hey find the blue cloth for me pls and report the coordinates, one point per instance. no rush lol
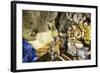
(29, 53)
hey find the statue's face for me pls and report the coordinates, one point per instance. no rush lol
(30, 22)
(36, 20)
(29, 35)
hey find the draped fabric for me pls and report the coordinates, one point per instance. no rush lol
(29, 53)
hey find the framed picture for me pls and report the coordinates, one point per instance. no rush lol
(47, 36)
